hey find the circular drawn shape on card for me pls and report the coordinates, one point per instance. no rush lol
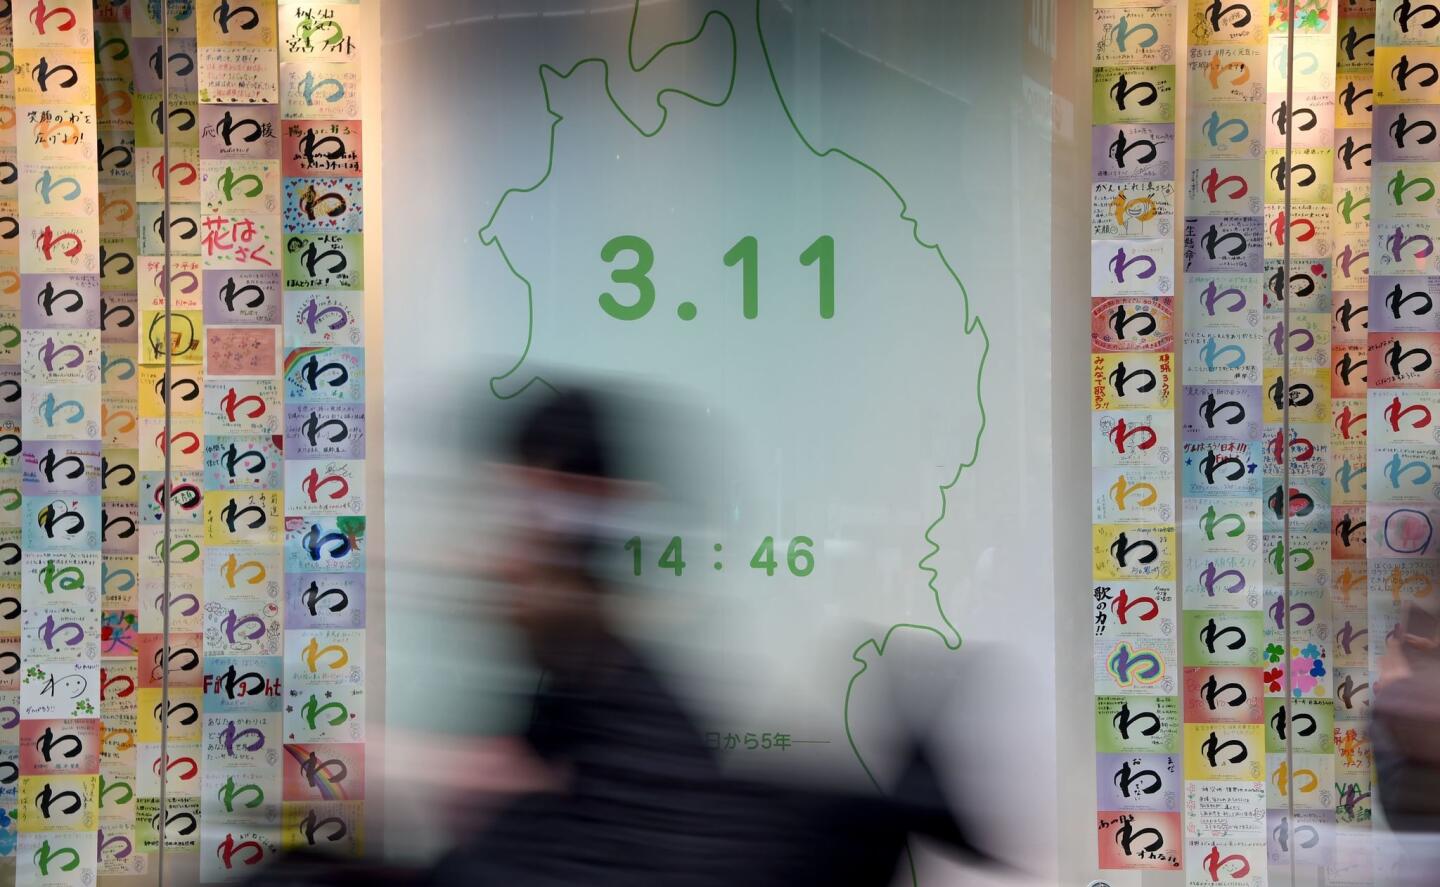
(687, 311)
(1410, 534)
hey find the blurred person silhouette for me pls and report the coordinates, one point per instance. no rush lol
(633, 774)
(638, 797)
(630, 793)
(1406, 742)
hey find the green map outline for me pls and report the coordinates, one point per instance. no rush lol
(973, 323)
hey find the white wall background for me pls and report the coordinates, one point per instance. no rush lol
(951, 100)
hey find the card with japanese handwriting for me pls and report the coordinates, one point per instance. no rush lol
(324, 90)
(232, 74)
(325, 544)
(240, 131)
(324, 600)
(327, 31)
(1139, 840)
(242, 351)
(324, 487)
(234, 297)
(1137, 666)
(324, 712)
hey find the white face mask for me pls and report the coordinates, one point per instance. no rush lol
(547, 514)
(567, 526)
(570, 514)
